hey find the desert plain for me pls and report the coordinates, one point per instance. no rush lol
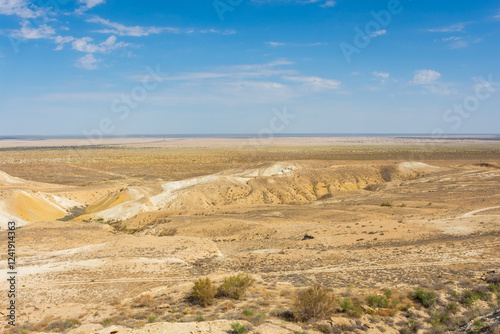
(394, 234)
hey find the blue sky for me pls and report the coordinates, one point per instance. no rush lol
(92, 67)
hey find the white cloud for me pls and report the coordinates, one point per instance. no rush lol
(452, 38)
(61, 40)
(378, 33)
(329, 4)
(238, 72)
(122, 30)
(216, 31)
(85, 45)
(428, 79)
(425, 77)
(88, 62)
(382, 75)
(19, 8)
(139, 31)
(315, 83)
(276, 44)
(458, 27)
(28, 31)
(87, 4)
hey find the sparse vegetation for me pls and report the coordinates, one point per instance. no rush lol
(377, 301)
(426, 298)
(238, 328)
(203, 292)
(352, 307)
(234, 287)
(470, 296)
(314, 303)
(145, 300)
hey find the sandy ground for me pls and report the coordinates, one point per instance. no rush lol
(87, 251)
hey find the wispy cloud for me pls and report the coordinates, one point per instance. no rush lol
(88, 62)
(458, 27)
(277, 44)
(254, 71)
(383, 75)
(21, 8)
(428, 79)
(139, 31)
(328, 4)
(88, 4)
(122, 30)
(315, 83)
(85, 44)
(378, 33)
(425, 77)
(62, 40)
(29, 31)
(458, 42)
(217, 31)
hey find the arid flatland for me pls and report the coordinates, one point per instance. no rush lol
(117, 235)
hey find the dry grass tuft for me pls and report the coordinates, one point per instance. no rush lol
(314, 303)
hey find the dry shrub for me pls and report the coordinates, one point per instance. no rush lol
(145, 301)
(234, 287)
(41, 325)
(203, 292)
(168, 232)
(495, 279)
(314, 303)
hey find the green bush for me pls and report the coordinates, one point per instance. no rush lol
(377, 301)
(203, 292)
(470, 296)
(427, 298)
(314, 303)
(351, 307)
(386, 204)
(238, 328)
(234, 287)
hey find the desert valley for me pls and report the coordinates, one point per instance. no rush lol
(294, 235)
